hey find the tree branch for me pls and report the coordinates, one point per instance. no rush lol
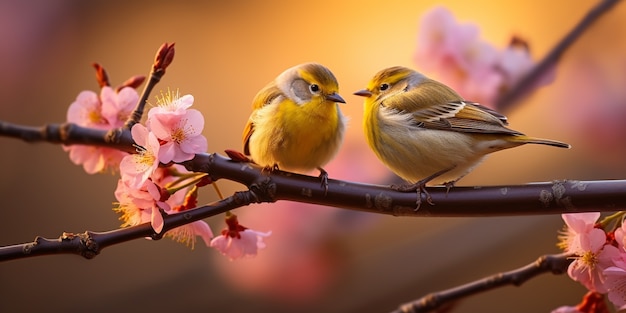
(507, 100)
(554, 263)
(567, 196)
(531, 199)
(89, 244)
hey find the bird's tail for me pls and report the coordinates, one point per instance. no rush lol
(540, 141)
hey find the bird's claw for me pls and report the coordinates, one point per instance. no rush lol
(270, 168)
(449, 186)
(324, 180)
(420, 188)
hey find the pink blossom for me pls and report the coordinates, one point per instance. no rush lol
(589, 245)
(514, 62)
(144, 204)
(181, 135)
(95, 159)
(87, 111)
(177, 127)
(100, 112)
(577, 223)
(461, 59)
(455, 52)
(238, 241)
(246, 244)
(615, 282)
(620, 238)
(137, 168)
(140, 205)
(595, 81)
(117, 107)
(590, 262)
(171, 104)
(187, 233)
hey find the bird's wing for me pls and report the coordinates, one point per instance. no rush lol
(264, 97)
(471, 118)
(452, 114)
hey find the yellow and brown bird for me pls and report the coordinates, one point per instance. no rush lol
(296, 123)
(425, 132)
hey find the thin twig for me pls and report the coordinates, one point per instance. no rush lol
(507, 100)
(554, 263)
(90, 244)
(162, 60)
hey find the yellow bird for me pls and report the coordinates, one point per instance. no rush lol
(296, 123)
(425, 132)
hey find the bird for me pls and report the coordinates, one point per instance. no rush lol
(296, 123)
(426, 133)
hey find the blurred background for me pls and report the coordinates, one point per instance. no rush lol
(318, 259)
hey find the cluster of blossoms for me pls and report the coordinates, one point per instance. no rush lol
(474, 68)
(599, 261)
(152, 185)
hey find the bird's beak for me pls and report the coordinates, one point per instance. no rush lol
(363, 93)
(335, 97)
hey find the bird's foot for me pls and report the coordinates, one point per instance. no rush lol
(324, 179)
(420, 187)
(270, 168)
(449, 185)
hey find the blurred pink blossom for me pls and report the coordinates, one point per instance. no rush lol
(592, 302)
(474, 68)
(237, 241)
(592, 109)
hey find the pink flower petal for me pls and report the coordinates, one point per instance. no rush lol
(194, 145)
(79, 111)
(156, 220)
(203, 230)
(581, 222)
(140, 134)
(616, 285)
(593, 241)
(194, 123)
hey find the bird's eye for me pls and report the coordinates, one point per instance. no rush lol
(314, 88)
(384, 86)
